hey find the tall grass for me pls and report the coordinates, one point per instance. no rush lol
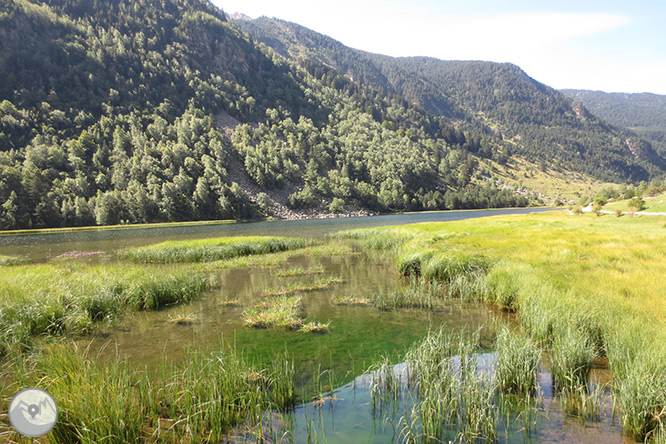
(201, 399)
(582, 287)
(376, 239)
(571, 356)
(206, 250)
(12, 260)
(70, 297)
(517, 366)
(455, 401)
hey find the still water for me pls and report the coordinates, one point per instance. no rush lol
(358, 335)
(40, 247)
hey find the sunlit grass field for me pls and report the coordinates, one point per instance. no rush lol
(582, 286)
(656, 204)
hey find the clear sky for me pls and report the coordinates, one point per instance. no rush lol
(607, 45)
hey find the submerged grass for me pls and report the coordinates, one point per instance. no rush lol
(206, 250)
(319, 284)
(300, 271)
(582, 287)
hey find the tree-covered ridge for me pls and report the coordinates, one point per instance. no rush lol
(499, 100)
(644, 113)
(108, 114)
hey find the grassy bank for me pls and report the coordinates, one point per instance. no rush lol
(70, 297)
(582, 286)
(206, 250)
(198, 400)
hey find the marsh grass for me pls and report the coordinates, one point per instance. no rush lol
(571, 355)
(352, 301)
(201, 399)
(53, 299)
(453, 399)
(207, 250)
(517, 365)
(581, 286)
(182, 318)
(284, 312)
(376, 239)
(274, 259)
(8, 261)
(314, 327)
(300, 271)
(418, 293)
(275, 311)
(318, 284)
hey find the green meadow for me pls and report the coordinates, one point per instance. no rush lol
(583, 287)
(584, 290)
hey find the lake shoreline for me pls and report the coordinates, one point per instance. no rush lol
(295, 217)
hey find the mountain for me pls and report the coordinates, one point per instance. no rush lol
(123, 111)
(643, 113)
(497, 100)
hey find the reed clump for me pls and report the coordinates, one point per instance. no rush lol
(59, 298)
(454, 400)
(201, 399)
(207, 250)
(571, 355)
(517, 365)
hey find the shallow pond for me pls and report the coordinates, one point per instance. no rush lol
(357, 335)
(346, 415)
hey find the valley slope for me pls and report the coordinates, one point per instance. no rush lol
(163, 110)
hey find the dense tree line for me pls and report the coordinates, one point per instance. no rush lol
(497, 100)
(644, 113)
(108, 115)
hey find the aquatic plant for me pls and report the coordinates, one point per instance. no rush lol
(319, 284)
(299, 271)
(276, 311)
(62, 298)
(571, 355)
(206, 250)
(12, 260)
(517, 364)
(201, 399)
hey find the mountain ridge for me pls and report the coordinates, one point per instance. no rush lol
(485, 97)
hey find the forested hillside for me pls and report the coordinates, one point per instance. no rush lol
(499, 100)
(644, 113)
(119, 111)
